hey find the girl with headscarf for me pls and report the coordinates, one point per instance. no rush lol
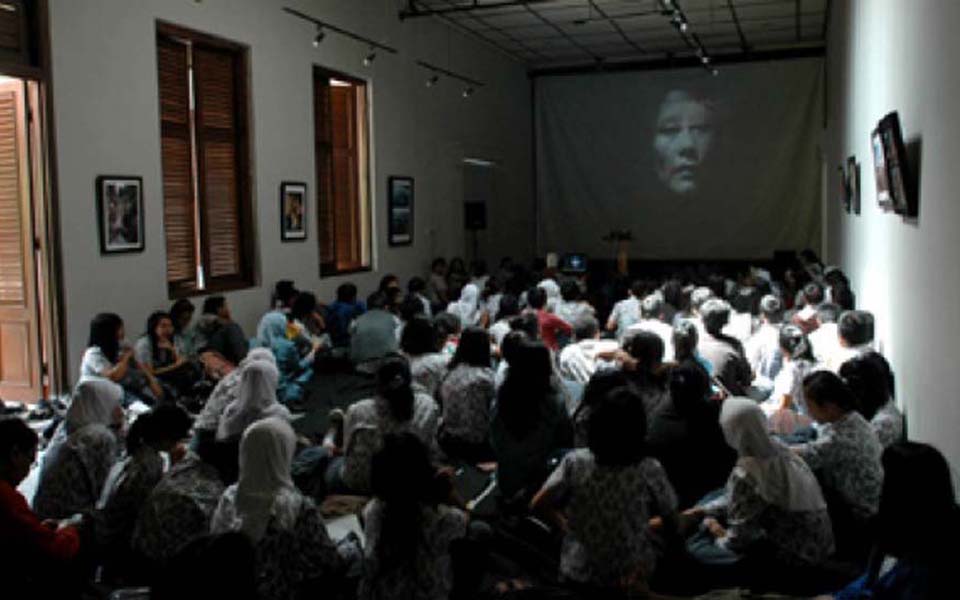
(83, 450)
(468, 307)
(772, 511)
(291, 543)
(256, 399)
(295, 371)
(227, 391)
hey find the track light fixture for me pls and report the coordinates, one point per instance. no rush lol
(319, 37)
(369, 58)
(468, 92)
(433, 80)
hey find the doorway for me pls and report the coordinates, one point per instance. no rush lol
(24, 330)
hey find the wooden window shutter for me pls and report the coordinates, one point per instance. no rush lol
(323, 153)
(13, 276)
(343, 102)
(219, 134)
(179, 218)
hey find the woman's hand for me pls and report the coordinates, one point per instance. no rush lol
(714, 527)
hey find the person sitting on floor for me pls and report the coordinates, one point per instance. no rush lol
(579, 361)
(181, 313)
(855, 331)
(644, 366)
(725, 353)
(284, 294)
(295, 370)
(157, 355)
(179, 508)
(107, 357)
(417, 288)
(420, 343)
(508, 308)
(603, 498)
(31, 548)
(84, 448)
(786, 408)
(131, 481)
(684, 435)
(845, 457)
(763, 348)
(373, 335)
(529, 423)
(466, 396)
(437, 289)
(256, 399)
(572, 307)
(553, 329)
(411, 531)
(626, 312)
(651, 315)
(918, 513)
(870, 378)
(596, 390)
(449, 330)
(216, 331)
(305, 325)
(294, 553)
(772, 514)
(341, 313)
(397, 407)
(468, 308)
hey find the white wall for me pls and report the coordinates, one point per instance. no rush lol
(888, 55)
(106, 119)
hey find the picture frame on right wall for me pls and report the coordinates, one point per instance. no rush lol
(853, 184)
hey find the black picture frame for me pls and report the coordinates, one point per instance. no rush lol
(120, 221)
(400, 204)
(292, 194)
(844, 189)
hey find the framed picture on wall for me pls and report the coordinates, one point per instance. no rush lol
(853, 183)
(293, 211)
(400, 211)
(844, 188)
(120, 213)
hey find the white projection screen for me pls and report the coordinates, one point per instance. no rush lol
(695, 166)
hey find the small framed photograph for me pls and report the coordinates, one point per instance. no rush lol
(120, 213)
(293, 211)
(844, 189)
(853, 183)
(400, 206)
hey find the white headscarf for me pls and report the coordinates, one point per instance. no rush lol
(266, 453)
(95, 402)
(258, 354)
(468, 307)
(783, 479)
(256, 399)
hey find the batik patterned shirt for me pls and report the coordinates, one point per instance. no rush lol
(73, 472)
(466, 396)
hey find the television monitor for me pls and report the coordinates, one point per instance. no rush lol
(574, 263)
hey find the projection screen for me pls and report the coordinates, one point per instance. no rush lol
(694, 166)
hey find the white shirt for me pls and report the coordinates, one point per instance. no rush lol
(763, 351)
(740, 326)
(825, 341)
(578, 362)
(625, 313)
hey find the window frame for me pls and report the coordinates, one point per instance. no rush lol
(243, 117)
(365, 176)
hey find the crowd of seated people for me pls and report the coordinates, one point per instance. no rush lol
(723, 433)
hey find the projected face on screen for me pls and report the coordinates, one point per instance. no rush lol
(682, 142)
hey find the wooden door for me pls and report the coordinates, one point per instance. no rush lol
(19, 327)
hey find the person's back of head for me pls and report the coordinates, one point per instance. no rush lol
(918, 507)
(673, 293)
(869, 383)
(843, 297)
(715, 314)
(179, 313)
(813, 294)
(794, 343)
(717, 285)
(826, 389)
(771, 308)
(416, 285)
(685, 340)
(420, 337)
(161, 429)
(511, 344)
(537, 298)
(883, 367)
(570, 291)
(586, 328)
(18, 448)
(387, 282)
(699, 296)
(617, 429)
(527, 323)
(528, 383)
(601, 384)
(304, 305)
(284, 293)
(651, 307)
(855, 327)
(103, 334)
(689, 387)
(347, 293)
(638, 288)
(377, 301)
(394, 385)
(448, 324)
(827, 313)
(213, 305)
(509, 306)
(410, 307)
(473, 349)
(646, 348)
(439, 266)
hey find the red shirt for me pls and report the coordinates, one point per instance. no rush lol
(552, 326)
(26, 540)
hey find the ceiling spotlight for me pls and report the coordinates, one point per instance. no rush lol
(679, 22)
(667, 4)
(468, 92)
(683, 26)
(368, 59)
(705, 59)
(715, 72)
(433, 80)
(319, 37)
